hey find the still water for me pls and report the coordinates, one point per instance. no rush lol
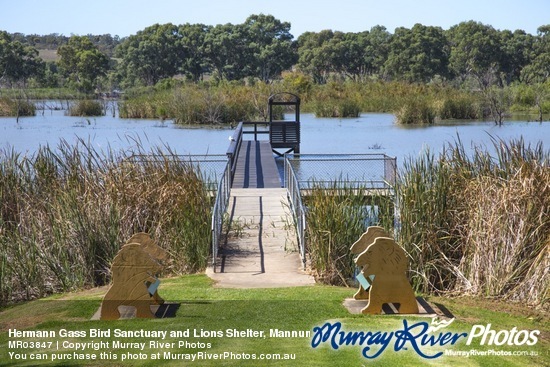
(370, 133)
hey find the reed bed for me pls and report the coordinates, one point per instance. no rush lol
(16, 107)
(192, 104)
(231, 102)
(336, 217)
(480, 223)
(471, 223)
(86, 107)
(64, 214)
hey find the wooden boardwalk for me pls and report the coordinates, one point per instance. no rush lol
(261, 249)
(256, 167)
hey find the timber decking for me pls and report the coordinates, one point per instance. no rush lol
(256, 167)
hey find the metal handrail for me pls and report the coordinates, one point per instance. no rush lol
(219, 209)
(295, 198)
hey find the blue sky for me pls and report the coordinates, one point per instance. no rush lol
(126, 17)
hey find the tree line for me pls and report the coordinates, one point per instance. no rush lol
(262, 48)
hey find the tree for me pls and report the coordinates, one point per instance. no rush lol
(194, 64)
(150, 55)
(538, 70)
(475, 50)
(269, 46)
(82, 63)
(377, 49)
(352, 55)
(227, 51)
(311, 55)
(345, 53)
(515, 53)
(418, 54)
(18, 62)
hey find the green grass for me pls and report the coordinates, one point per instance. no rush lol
(208, 308)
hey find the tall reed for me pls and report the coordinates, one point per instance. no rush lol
(337, 214)
(202, 104)
(479, 223)
(86, 107)
(16, 107)
(64, 214)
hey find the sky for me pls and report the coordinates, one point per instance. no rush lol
(127, 17)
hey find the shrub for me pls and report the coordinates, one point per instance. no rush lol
(415, 111)
(86, 108)
(16, 107)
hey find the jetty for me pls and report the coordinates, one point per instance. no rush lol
(258, 220)
(259, 248)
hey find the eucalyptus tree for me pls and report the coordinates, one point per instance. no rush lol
(18, 62)
(194, 63)
(515, 54)
(152, 54)
(225, 47)
(346, 53)
(81, 63)
(475, 51)
(269, 45)
(377, 50)
(312, 54)
(261, 47)
(418, 54)
(352, 55)
(537, 73)
(538, 70)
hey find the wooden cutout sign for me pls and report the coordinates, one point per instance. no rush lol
(387, 262)
(361, 245)
(157, 253)
(135, 271)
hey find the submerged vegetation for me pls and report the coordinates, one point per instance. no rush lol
(477, 225)
(65, 213)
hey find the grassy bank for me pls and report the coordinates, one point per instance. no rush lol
(65, 212)
(204, 307)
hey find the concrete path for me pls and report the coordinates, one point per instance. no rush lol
(261, 250)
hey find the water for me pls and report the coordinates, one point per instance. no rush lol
(378, 133)
(370, 133)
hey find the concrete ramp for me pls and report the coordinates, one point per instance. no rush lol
(261, 249)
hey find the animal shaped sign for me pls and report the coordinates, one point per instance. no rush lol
(135, 271)
(383, 277)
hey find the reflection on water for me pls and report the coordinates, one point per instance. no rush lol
(370, 133)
